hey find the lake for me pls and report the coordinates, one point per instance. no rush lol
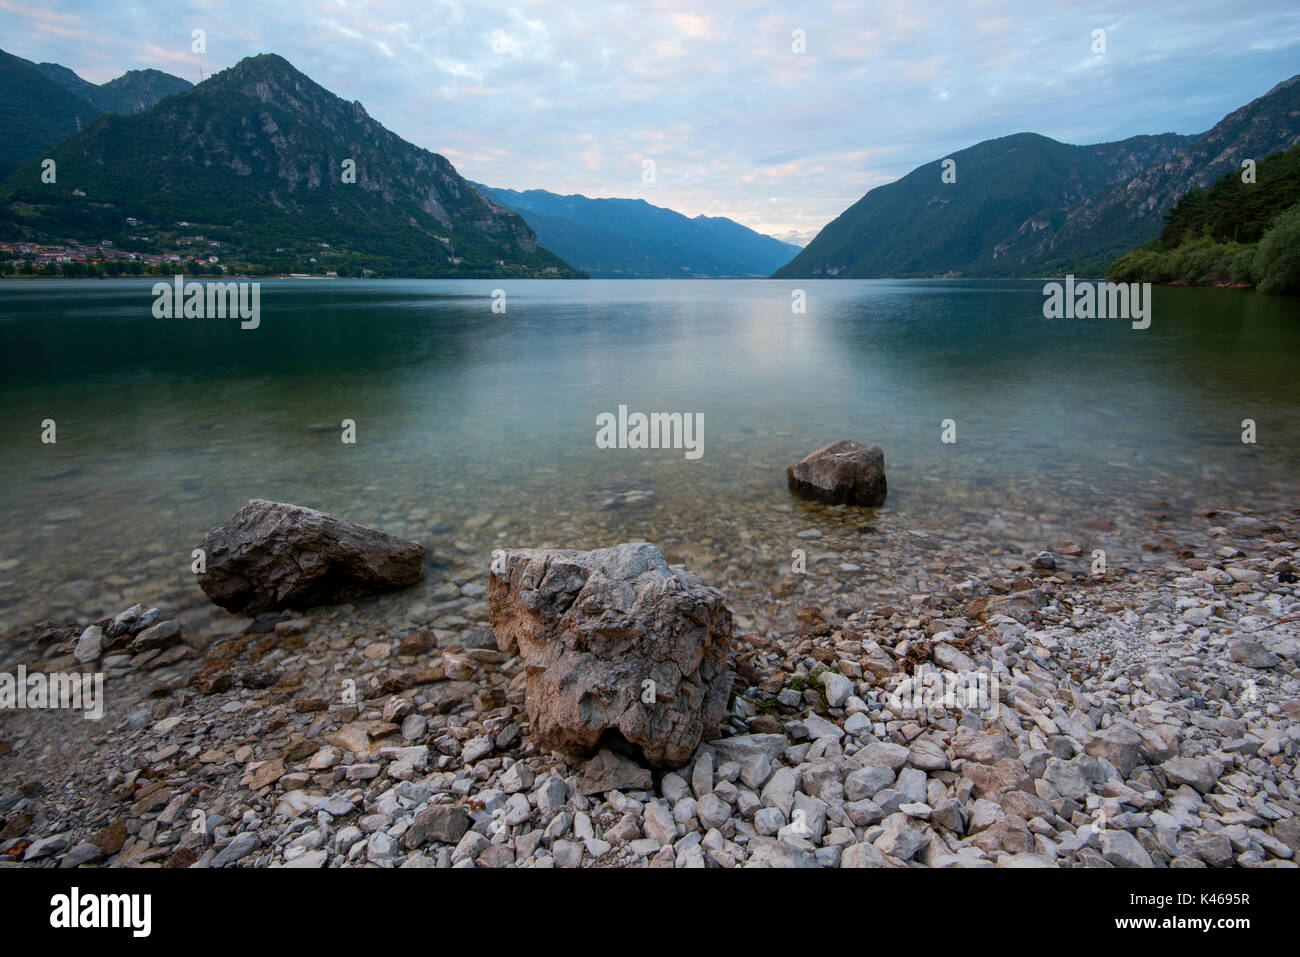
(476, 429)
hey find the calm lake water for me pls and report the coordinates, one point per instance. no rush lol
(476, 428)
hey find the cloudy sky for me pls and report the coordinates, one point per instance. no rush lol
(574, 96)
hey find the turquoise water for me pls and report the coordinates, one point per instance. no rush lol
(475, 427)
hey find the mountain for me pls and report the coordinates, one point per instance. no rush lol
(631, 239)
(66, 78)
(1131, 213)
(43, 103)
(133, 92)
(136, 91)
(35, 112)
(1007, 192)
(250, 163)
(1026, 205)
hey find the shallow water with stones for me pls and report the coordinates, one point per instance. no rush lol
(477, 430)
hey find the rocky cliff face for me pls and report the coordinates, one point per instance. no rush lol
(1132, 211)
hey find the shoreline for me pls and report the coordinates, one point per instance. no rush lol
(1180, 283)
(1146, 717)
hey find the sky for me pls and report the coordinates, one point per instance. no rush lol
(778, 116)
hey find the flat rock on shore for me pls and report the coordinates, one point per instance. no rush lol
(272, 555)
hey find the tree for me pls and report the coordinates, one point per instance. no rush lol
(1277, 262)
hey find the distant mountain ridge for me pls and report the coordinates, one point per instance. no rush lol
(44, 103)
(253, 159)
(630, 238)
(133, 92)
(1027, 205)
(35, 112)
(1008, 191)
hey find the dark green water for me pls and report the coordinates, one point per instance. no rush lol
(166, 426)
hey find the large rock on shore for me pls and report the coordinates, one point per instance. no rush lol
(594, 628)
(842, 473)
(272, 555)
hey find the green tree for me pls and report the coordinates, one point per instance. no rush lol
(1277, 263)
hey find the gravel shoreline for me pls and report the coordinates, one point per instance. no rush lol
(1147, 716)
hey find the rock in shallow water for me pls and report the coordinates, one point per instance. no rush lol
(594, 628)
(842, 473)
(272, 555)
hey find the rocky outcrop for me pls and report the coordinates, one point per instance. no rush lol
(272, 555)
(842, 473)
(614, 640)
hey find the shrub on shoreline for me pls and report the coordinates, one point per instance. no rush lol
(1277, 263)
(1272, 265)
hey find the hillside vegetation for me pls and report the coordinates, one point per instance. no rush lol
(1232, 232)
